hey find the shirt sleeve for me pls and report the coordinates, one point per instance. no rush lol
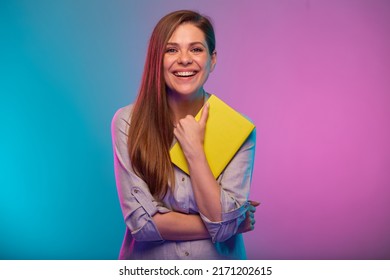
(235, 185)
(137, 203)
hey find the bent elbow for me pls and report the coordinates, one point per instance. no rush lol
(147, 233)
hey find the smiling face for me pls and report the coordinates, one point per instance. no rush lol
(187, 61)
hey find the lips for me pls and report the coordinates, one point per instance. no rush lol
(185, 74)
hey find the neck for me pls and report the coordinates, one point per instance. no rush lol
(182, 106)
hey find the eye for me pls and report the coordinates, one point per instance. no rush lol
(170, 50)
(197, 50)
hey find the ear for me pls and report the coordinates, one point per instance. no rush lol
(213, 60)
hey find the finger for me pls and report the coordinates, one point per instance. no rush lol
(205, 114)
(251, 208)
(254, 203)
(176, 132)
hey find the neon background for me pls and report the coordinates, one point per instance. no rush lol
(313, 75)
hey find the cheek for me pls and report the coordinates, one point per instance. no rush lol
(167, 62)
(206, 67)
(166, 73)
(204, 63)
(165, 67)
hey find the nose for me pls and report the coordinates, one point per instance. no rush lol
(184, 58)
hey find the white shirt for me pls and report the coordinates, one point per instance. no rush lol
(142, 239)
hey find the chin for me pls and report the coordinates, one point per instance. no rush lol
(185, 92)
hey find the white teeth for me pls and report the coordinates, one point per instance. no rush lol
(184, 74)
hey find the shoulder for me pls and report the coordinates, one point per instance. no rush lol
(252, 135)
(251, 139)
(227, 107)
(122, 116)
(121, 119)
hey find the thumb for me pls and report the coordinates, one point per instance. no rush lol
(204, 115)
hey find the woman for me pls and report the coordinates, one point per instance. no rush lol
(170, 215)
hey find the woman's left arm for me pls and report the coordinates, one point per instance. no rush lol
(234, 183)
(222, 206)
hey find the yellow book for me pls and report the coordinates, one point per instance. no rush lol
(226, 131)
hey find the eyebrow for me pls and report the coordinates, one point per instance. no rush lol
(191, 44)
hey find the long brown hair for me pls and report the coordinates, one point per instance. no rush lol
(151, 127)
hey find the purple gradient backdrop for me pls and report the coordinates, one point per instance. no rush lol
(314, 77)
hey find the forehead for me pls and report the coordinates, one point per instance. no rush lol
(187, 33)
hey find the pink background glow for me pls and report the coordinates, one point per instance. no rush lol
(314, 77)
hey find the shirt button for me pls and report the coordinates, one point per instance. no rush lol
(182, 179)
(187, 254)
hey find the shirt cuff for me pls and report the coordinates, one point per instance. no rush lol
(227, 227)
(148, 230)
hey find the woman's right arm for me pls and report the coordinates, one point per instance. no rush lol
(180, 227)
(147, 219)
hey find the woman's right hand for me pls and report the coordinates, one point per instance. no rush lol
(190, 133)
(248, 223)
